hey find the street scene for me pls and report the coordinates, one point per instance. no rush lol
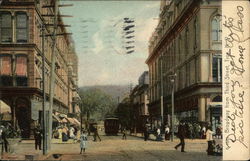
(111, 80)
(114, 148)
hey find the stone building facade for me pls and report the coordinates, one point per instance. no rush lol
(187, 42)
(21, 63)
(139, 103)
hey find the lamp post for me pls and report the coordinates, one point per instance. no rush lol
(162, 103)
(172, 80)
(81, 114)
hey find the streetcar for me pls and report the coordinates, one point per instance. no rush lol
(111, 125)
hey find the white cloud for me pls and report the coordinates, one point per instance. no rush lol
(102, 65)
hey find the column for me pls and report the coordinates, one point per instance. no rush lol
(201, 109)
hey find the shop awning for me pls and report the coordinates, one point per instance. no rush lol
(71, 121)
(78, 110)
(215, 104)
(4, 108)
(64, 120)
(77, 122)
(7, 116)
(56, 118)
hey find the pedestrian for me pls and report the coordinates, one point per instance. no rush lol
(209, 137)
(191, 129)
(203, 132)
(181, 135)
(83, 141)
(167, 132)
(124, 137)
(218, 132)
(146, 133)
(71, 133)
(5, 142)
(38, 137)
(158, 132)
(96, 134)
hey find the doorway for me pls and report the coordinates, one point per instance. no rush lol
(23, 117)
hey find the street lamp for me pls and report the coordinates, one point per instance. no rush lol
(162, 94)
(172, 80)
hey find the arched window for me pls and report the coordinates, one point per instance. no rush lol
(216, 28)
(217, 99)
(21, 27)
(5, 27)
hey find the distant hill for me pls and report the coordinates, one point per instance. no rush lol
(114, 91)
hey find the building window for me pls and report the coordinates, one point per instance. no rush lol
(21, 27)
(5, 27)
(217, 99)
(21, 70)
(216, 28)
(195, 33)
(5, 71)
(179, 48)
(217, 68)
(186, 40)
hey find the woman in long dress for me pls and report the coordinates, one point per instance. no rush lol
(83, 141)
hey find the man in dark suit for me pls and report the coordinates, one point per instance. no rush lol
(181, 135)
(38, 137)
(96, 135)
(5, 142)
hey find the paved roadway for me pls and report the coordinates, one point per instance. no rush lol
(134, 148)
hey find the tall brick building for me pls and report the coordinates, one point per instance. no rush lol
(21, 63)
(187, 42)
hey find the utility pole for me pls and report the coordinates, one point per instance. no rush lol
(52, 71)
(47, 113)
(45, 129)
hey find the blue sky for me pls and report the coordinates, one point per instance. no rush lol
(97, 33)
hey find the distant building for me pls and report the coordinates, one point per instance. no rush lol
(139, 103)
(187, 41)
(21, 63)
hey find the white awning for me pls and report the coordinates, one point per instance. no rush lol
(77, 109)
(71, 120)
(4, 108)
(56, 118)
(215, 104)
(77, 122)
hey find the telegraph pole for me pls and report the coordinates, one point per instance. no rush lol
(52, 71)
(47, 113)
(45, 130)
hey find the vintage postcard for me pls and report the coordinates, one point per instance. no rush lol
(124, 80)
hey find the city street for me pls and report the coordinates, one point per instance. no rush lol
(114, 148)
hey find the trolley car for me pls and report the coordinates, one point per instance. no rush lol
(111, 125)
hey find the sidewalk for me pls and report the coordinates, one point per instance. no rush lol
(26, 150)
(153, 138)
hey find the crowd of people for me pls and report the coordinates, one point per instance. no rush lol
(66, 132)
(191, 131)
